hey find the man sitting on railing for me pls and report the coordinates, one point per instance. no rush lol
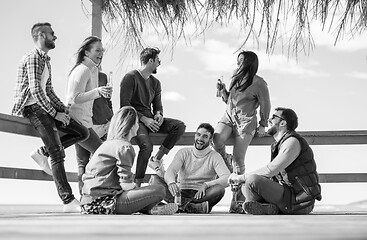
(289, 183)
(141, 90)
(36, 100)
(201, 172)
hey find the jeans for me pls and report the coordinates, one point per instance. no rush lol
(262, 189)
(47, 128)
(83, 152)
(174, 128)
(213, 194)
(140, 199)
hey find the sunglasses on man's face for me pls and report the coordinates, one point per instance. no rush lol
(276, 116)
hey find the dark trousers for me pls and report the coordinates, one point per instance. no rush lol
(174, 128)
(213, 194)
(84, 150)
(262, 189)
(48, 128)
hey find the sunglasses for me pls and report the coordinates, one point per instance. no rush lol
(274, 116)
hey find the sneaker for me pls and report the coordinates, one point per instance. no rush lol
(41, 160)
(157, 166)
(236, 207)
(257, 208)
(72, 207)
(166, 209)
(228, 158)
(197, 207)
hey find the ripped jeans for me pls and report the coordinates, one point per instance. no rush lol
(48, 129)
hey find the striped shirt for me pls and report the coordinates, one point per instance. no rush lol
(29, 84)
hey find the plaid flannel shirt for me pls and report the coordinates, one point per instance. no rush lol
(29, 83)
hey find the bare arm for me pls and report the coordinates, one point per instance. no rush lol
(288, 152)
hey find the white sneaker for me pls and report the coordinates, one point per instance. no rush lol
(157, 166)
(41, 160)
(167, 209)
(72, 207)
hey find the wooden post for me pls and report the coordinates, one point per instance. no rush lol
(97, 18)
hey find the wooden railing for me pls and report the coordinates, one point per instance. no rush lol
(21, 126)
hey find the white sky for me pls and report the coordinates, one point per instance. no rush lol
(326, 89)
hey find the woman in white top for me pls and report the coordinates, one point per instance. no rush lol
(82, 91)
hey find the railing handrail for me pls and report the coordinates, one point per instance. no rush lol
(22, 126)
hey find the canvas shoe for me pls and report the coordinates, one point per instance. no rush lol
(197, 207)
(72, 207)
(166, 209)
(41, 160)
(257, 208)
(236, 207)
(157, 166)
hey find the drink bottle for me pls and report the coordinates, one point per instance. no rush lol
(109, 80)
(178, 198)
(219, 94)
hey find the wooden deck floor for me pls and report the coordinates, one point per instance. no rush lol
(46, 222)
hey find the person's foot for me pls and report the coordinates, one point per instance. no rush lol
(42, 160)
(257, 208)
(72, 207)
(157, 166)
(197, 207)
(166, 209)
(139, 182)
(236, 207)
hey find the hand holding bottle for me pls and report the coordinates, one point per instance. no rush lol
(220, 87)
(105, 91)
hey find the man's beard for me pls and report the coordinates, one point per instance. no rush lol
(154, 71)
(50, 44)
(273, 130)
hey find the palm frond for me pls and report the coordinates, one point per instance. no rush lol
(126, 20)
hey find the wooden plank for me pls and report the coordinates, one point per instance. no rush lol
(39, 175)
(17, 125)
(21, 126)
(97, 18)
(343, 177)
(31, 174)
(38, 222)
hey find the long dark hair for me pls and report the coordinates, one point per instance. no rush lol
(86, 46)
(248, 67)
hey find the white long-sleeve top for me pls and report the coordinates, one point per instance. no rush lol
(82, 90)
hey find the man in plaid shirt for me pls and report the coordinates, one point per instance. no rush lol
(36, 100)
